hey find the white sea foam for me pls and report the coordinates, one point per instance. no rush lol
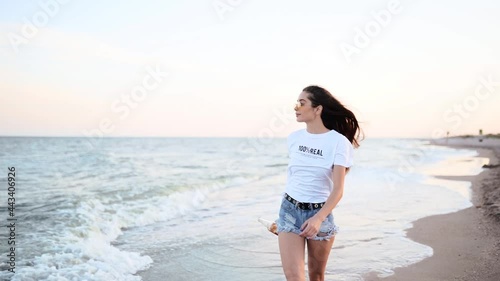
(83, 248)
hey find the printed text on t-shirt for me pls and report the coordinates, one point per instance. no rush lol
(311, 150)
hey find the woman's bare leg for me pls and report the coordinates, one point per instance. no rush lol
(292, 255)
(317, 257)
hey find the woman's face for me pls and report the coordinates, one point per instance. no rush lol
(304, 111)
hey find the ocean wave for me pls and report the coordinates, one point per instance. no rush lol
(83, 248)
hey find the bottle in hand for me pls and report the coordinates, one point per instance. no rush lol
(270, 225)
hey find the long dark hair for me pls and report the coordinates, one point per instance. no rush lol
(334, 115)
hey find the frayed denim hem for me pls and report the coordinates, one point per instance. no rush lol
(287, 229)
(332, 232)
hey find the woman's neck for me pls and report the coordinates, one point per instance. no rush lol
(316, 128)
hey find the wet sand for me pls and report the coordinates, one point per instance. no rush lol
(466, 243)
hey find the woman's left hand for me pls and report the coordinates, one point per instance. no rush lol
(310, 227)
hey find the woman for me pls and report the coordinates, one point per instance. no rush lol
(320, 157)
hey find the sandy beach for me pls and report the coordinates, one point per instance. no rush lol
(466, 243)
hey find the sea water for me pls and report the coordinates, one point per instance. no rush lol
(187, 208)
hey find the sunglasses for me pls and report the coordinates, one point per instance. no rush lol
(297, 105)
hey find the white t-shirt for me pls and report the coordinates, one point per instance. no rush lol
(312, 157)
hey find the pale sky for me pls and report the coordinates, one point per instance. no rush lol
(235, 67)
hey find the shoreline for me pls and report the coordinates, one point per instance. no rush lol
(466, 243)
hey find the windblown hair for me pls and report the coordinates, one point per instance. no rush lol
(334, 115)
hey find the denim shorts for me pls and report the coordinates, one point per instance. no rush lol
(291, 219)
